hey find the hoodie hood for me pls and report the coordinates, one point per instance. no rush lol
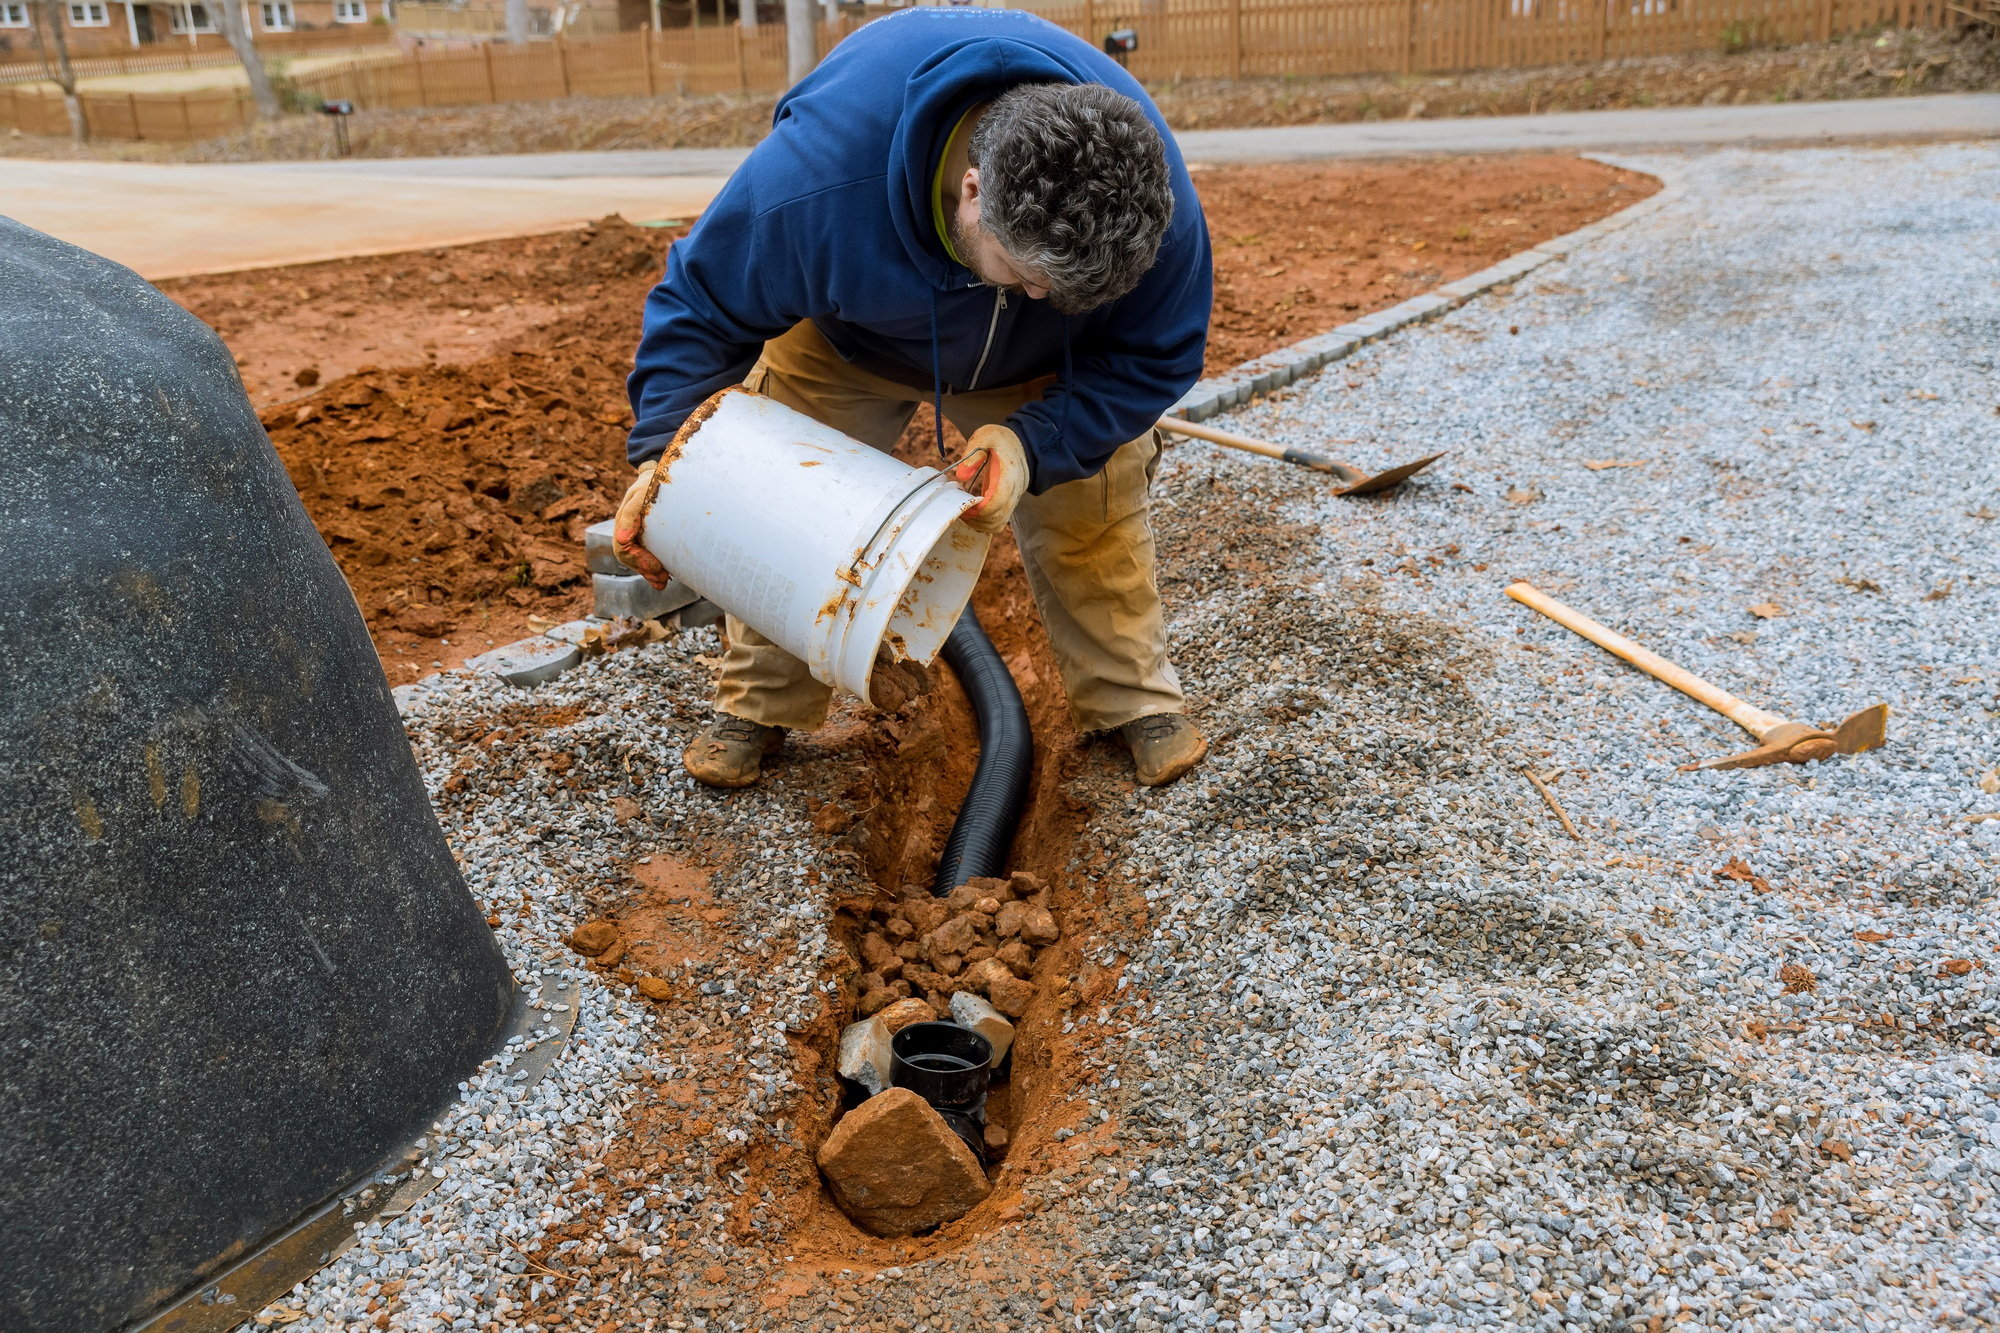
(939, 93)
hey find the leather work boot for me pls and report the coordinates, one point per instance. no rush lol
(1164, 747)
(730, 752)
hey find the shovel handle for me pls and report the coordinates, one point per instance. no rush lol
(1751, 718)
(1283, 453)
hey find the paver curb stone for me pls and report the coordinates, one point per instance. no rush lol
(1275, 370)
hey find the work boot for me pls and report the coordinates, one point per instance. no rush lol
(730, 753)
(1164, 747)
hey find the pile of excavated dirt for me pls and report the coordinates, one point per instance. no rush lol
(453, 419)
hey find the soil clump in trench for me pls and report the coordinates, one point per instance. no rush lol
(453, 419)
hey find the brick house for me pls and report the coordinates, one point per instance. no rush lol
(109, 27)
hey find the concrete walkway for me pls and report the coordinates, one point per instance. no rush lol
(167, 221)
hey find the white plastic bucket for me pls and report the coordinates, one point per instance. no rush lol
(825, 546)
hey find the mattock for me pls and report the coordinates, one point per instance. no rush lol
(1357, 481)
(1779, 741)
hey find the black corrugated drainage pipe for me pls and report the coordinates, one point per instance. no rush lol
(986, 822)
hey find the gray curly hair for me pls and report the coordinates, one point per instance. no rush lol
(1074, 184)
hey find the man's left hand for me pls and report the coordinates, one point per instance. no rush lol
(995, 468)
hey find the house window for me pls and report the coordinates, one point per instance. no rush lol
(277, 16)
(350, 11)
(13, 15)
(192, 18)
(89, 15)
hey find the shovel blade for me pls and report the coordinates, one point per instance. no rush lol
(1394, 477)
(1866, 730)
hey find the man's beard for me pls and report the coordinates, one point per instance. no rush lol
(962, 243)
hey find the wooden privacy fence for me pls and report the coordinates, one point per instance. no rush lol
(1234, 38)
(163, 117)
(1177, 39)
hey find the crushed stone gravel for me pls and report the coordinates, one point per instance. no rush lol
(1392, 1050)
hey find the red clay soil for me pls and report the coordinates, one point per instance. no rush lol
(453, 419)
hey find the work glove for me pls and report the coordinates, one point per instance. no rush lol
(995, 468)
(627, 528)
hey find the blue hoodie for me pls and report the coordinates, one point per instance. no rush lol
(829, 219)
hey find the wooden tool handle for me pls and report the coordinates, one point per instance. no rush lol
(1751, 718)
(1283, 453)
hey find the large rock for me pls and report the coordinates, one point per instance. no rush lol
(969, 1011)
(238, 966)
(897, 1169)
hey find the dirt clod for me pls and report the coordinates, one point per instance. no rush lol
(593, 937)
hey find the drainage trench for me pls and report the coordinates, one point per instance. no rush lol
(897, 818)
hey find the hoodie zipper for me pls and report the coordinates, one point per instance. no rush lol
(992, 325)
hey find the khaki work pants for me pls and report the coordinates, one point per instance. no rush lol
(1087, 547)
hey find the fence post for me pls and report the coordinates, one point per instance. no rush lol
(1409, 58)
(1599, 41)
(1235, 39)
(1090, 21)
(562, 61)
(651, 61)
(1824, 21)
(417, 66)
(132, 109)
(742, 68)
(187, 126)
(492, 90)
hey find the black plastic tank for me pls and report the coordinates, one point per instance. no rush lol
(238, 965)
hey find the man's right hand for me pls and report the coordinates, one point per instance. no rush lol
(631, 523)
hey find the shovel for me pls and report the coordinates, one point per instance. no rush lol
(1357, 481)
(1779, 741)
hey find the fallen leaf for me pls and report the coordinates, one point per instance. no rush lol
(624, 809)
(1871, 936)
(1600, 464)
(707, 660)
(1956, 967)
(1835, 1148)
(1735, 869)
(1798, 979)
(1984, 514)
(1516, 495)
(1744, 635)
(1767, 610)
(1939, 593)
(1990, 782)
(1923, 395)
(541, 625)
(1860, 585)
(1862, 425)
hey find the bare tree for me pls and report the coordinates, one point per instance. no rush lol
(237, 29)
(801, 38)
(63, 75)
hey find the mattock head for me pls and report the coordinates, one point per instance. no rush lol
(1797, 743)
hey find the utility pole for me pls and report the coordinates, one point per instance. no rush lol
(517, 21)
(801, 38)
(746, 14)
(62, 75)
(236, 28)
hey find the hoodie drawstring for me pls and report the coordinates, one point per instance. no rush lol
(1068, 379)
(937, 377)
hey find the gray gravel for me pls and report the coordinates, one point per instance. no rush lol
(1392, 1050)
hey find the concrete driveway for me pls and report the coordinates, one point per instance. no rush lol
(168, 220)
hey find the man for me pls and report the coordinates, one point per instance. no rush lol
(975, 208)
